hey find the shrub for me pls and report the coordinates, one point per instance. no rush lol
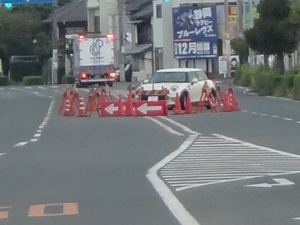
(295, 70)
(266, 84)
(296, 88)
(291, 79)
(32, 80)
(68, 79)
(246, 75)
(3, 80)
(238, 74)
(277, 83)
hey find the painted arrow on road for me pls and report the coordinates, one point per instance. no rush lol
(280, 182)
(144, 108)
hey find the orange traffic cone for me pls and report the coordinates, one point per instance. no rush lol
(121, 111)
(68, 108)
(177, 108)
(63, 103)
(229, 101)
(188, 107)
(91, 104)
(129, 111)
(81, 108)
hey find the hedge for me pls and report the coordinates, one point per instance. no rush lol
(32, 80)
(68, 79)
(296, 88)
(3, 80)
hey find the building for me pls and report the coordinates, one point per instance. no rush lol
(191, 33)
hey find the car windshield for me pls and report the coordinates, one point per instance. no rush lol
(168, 77)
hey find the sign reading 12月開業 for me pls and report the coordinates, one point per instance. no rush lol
(195, 32)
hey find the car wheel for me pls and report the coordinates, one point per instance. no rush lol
(183, 99)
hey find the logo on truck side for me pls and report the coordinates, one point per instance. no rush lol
(95, 48)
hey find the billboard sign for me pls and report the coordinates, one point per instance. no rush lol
(20, 2)
(195, 32)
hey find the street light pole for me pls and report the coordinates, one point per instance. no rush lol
(54, 45)
(121, 10)
(227, 41)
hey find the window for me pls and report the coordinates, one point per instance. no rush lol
(201, 75)
(193, 75)
(158, 11)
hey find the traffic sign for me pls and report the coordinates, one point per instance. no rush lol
(20, 2)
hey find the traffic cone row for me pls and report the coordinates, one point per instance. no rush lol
(71, 103)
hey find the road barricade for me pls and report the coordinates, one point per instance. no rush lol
(207, 100)
(148, 108)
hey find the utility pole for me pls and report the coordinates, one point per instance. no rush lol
(240, 29)
(251, 52)
(122, 14)
(54, 45)
(227, 41)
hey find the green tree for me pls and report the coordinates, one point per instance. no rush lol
(273, 33)
(241, 47)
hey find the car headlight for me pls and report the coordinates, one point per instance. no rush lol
(174, 88)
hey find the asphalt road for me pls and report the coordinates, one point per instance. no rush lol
(209, 169)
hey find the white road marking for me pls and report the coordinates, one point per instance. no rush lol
(169, 129)
(21, 144)
(263, 114)
(254, 112)
(34, 140)
(177, 209)
(185, 128)
(28, 87)
(298, 122)
(288, 119)
(43, 88)
(274, 116)
(54, 87)
(218, 159)
(37, 135)
(279, 182)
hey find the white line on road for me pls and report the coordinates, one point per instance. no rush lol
(288, 119)
(177, 209)
(21, 144)
(37, 135)
(34, 140)
(185, 128)
(274, 116)
(169, 129)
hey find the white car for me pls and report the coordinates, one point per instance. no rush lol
(177, 80)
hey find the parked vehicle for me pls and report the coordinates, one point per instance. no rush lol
(94, 60)
(177, 80)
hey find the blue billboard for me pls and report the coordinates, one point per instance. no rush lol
(195, 32)
(16, 2)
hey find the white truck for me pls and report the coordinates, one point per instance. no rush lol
(93, 60)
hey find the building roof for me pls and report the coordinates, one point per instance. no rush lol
(144, 12)
(140, 9)
(72, 12)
